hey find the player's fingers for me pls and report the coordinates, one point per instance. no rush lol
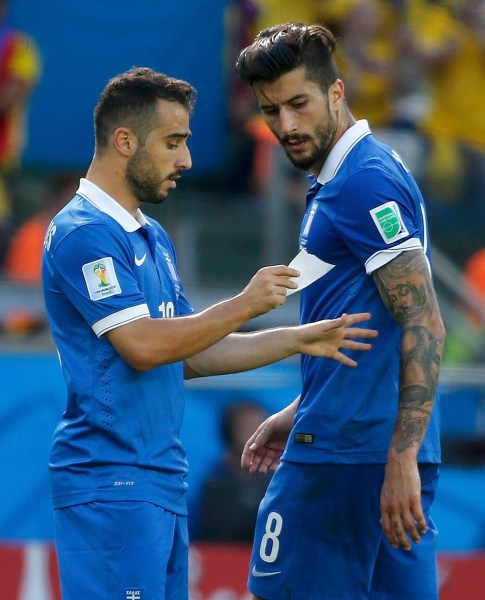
(399, 533)
(251, 446)
(246, 458)
(267, 461)
(419, 518)
(353, 345)
(393, 530)
(352, 319)
(409, 525)
(281, 271)
(345, 360)
(360, 332)
(260, 438)
(387, 529)
(275, 464)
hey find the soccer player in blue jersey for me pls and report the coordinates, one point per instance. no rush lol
(127, 337)
(347, 513)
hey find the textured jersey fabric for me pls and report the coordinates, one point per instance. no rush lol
(362, 211)
(119, 435)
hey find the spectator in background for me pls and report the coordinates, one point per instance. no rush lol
(231, 496)
(384, 81)
(275, 11)
(23, 257)
(240, 17)
(474, 275)
(450, 43)
(366, 58)
(20, 66)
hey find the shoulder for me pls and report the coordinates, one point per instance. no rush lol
(375, 166)
(80, 224)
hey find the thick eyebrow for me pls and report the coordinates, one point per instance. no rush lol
(289, 101)
(178, 136)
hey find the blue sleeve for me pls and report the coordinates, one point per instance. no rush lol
(93, 268)
(376, 212)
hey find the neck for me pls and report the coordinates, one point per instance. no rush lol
(344, 121)
(111, 179)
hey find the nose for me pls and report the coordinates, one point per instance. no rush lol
(287, 122)
(185, 160)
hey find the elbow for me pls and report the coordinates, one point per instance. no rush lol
(139, 362)
(139, 357)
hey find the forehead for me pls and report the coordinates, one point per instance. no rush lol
(172, 118)
(288, 86)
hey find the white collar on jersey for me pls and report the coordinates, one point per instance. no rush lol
(337, 155)
(94, 194)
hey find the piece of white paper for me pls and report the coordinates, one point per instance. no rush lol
(311, 268)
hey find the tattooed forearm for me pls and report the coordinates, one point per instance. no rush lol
(407, 291)
(420, 357)
(413, 415)
(409, 432)
(420, 360)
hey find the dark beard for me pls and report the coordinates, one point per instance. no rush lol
(323, 139)
(142, 180)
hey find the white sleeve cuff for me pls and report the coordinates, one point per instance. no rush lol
(122, 317)
(381, 258)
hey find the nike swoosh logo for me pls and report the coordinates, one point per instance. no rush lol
(256, 573)
(140, 261)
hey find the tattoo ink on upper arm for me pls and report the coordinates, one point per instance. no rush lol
(407, 291)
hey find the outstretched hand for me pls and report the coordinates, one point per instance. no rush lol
(327, 338)
(263, 450)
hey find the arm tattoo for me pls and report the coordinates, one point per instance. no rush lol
(407, 291)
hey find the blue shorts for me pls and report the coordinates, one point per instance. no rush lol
(318, 537)
(121, 551)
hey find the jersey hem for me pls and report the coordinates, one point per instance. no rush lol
(178, 507)
(325, 457)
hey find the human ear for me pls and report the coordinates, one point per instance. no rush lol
(124, 141)
(336, 92)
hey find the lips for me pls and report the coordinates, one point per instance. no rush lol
(296, 145)
(173, 180)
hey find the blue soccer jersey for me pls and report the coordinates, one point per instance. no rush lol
(363, 210)
(119, 435)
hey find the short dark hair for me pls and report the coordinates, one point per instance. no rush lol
(131, 99)
(282, 48)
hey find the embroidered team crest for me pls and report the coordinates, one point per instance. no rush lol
(173, 273)
(389, 223)
(101, 280)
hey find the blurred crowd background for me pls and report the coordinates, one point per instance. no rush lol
(415, 69)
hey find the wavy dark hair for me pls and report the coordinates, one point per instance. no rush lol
(282, 48)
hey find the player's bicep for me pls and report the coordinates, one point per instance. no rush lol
(130, 341)
(406, 287)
